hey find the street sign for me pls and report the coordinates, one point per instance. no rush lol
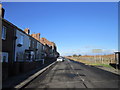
(97, 50)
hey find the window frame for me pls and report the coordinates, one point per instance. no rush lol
(4, 28)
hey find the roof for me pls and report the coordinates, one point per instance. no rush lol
(18, 29)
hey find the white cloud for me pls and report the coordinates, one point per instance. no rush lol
(109, 50)
(87, 52)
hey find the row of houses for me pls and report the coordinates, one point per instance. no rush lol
(19, 46)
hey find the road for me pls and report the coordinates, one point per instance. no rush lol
(72, 74)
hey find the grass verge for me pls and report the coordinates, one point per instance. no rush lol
(97, 64)
(91, 63)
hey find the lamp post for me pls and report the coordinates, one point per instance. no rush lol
(117, 59)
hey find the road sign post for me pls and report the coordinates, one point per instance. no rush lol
(97, 51)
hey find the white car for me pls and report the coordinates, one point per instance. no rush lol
(60, 59)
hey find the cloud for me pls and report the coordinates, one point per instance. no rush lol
(75, 51)
(87, 52)
(109, 50)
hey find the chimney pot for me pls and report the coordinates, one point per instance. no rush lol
(2, 11)
(27, 31)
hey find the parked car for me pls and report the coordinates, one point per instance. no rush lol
(60, 59)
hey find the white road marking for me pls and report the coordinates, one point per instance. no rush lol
(76, 73)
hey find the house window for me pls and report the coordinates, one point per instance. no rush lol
(4, 57)
(21, 39)
(29, 42)
(43, 48)
(33, 44)
(37, 45)
(4, 32)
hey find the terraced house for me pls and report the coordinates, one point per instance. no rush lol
(36, 46)
(8, 47)
(50, 48)
(22, 44)
(22, 52)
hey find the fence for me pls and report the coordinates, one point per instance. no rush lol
(100, 59)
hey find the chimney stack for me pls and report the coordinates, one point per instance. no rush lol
(2, 11)
(38, 36)
(27, 31)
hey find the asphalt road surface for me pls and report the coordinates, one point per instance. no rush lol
(72, 74)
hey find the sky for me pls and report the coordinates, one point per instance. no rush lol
(75, 27)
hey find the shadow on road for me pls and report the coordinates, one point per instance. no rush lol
(94, 68)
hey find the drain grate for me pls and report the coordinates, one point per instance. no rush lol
(82, 75)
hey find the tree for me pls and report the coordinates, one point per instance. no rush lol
(79, 55)
(74, 55)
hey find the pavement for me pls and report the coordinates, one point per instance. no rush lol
(72, 74)
(22, 79)
(110, 69)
